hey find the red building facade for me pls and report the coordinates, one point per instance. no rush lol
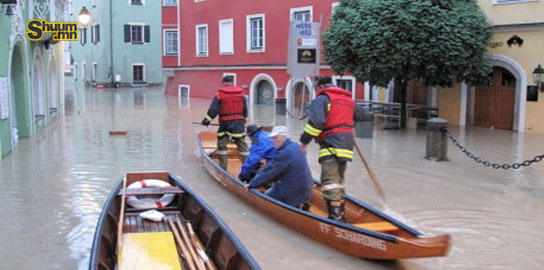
(246, 39)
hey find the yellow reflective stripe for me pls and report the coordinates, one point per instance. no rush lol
(207, 117)
(236, 135)
(339, 152)
(311, 130)
(328, 106)
(220, 134)
(345, 156)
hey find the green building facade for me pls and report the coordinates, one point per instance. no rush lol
(31, 72)
(121, 43)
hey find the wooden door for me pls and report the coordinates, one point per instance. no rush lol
(302, 97)
(494, 104)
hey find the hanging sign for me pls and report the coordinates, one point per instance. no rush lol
(303, 49)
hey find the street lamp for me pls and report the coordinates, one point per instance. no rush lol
(537, 77)
(84, 16)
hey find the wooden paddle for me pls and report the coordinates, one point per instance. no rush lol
(197, 259)
(181, 245)
(371, 173)
(211, 124)
(121, 216)
(199, 248)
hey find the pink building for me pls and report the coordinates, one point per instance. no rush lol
(246, 39)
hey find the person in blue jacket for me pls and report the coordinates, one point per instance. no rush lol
(262, 147)
(289, 170)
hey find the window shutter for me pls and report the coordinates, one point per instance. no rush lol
(92, 34)
(127, 32)
(97, 33)
(147, 34)
(84, 35)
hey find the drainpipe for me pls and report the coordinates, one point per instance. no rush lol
(111, 45)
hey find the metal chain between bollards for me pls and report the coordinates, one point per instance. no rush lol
(486, 163)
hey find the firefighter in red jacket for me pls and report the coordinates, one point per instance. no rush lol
(230, 104)
(331, 118)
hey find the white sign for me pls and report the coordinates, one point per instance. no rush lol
(303, 49)
(305, 42)
(4, 98)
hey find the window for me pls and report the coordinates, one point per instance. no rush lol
(301, 14)
(83, 67)
(83, 36)
(345, 82)
(94, 69)
(232, 75)
(170, 42)
(184, 93)
(95, 33)
(226, 37)
(137, 2)
(75, 72)
(170, 2)
(138, 73)
(255, 33)
(137, 33)
(94, 3)
(202, 40)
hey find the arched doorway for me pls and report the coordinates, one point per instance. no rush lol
(19, 102)
(265, 93)
(301, 98)
(495, 99)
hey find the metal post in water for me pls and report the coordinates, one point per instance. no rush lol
(281, 106)
(437, 141)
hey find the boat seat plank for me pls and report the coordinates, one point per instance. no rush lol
(153, 250)
(133, 223)
(316, 211)
(151, 191)
(382, 226)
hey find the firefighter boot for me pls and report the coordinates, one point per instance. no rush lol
(222, 161)
(336, 210)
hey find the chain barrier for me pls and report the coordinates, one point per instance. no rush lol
(487, 163)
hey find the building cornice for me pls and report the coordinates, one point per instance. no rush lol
(231, 67)
(518, 26)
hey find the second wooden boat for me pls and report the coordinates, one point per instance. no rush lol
(368, 232)
(150, 244)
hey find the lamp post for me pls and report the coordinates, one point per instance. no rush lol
(84, 16)
(537, 77)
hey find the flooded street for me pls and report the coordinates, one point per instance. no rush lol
(55, 183)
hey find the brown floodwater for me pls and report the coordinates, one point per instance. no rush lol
(55, 183)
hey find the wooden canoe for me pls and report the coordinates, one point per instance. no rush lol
(368, 233)
(218, 241)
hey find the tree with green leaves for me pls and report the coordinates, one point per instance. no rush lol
(442, 42)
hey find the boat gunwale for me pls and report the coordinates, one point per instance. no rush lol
(95, 250)
(388, 237)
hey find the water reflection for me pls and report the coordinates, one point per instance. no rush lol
(54, 186)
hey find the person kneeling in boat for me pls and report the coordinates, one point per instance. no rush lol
(289, 170)
(262, 147)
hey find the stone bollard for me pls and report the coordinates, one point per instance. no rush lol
(280, 106)
(437, 141)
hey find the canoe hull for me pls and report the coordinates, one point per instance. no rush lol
(341, 236)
